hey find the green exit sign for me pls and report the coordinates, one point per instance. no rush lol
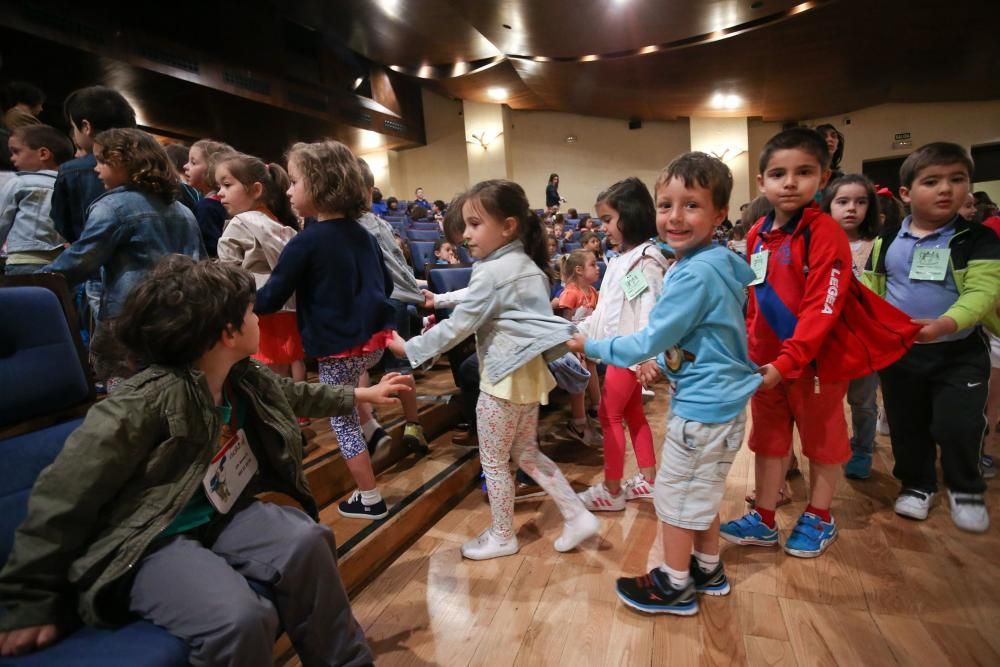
(902, 136)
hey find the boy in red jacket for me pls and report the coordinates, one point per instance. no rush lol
(802, 261)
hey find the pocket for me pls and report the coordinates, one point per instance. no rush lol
(731, 443)
(679, 451)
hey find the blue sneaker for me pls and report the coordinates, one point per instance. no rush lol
(810, 537)
(653, 594)
(859, 467)
(750, 529)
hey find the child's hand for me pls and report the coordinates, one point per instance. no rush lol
(386, 391)
(397, 345)
(428, 299)
(933, 329)
(648, 373)
(576, 343)
(26, 640)
(771, 376)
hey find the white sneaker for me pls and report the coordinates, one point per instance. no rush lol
(968, 511)
(487, 546)
(585, 436)
(914, 503)
(598, 499)
(585, 525)
(882, 425)
(637, 487)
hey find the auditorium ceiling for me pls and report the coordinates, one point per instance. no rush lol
(661, 59)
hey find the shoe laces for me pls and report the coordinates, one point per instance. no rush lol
(355, 497)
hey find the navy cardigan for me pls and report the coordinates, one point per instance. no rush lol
(341, 286)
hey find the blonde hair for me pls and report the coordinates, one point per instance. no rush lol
(333, 178)
(214, 152)
(571, 262)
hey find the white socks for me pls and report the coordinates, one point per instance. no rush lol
(370, 497)
(678, 578)
(368, 428)
(706, 562)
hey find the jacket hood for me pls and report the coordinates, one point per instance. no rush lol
(736, 274)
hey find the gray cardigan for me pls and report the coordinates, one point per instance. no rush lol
(404, 284)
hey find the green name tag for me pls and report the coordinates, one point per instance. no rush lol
(634, 284)
(930, 263)
(758, 262)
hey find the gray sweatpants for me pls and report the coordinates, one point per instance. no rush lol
(201, 594)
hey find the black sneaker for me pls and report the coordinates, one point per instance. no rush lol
(353, 508)
(379, 439)
(709, 583)
(652, 593)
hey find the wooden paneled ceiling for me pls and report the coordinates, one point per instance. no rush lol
(660, 59)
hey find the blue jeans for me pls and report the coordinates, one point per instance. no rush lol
(861, 396)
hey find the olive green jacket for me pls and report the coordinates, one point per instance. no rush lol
(126, 473)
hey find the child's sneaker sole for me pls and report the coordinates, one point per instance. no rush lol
(689, 609)
(749, 541)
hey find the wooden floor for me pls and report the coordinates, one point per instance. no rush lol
(889, 591)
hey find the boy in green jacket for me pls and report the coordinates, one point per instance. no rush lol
(150, 508)
(944, 273)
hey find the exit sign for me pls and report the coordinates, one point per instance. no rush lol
(901, 136)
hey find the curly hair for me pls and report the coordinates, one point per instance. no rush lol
(181, 309)
(248, 170)
(333, 178)
(147, 164)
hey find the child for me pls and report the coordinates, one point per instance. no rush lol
(507, 306)
(591, 242)
(738, 240)
(123, 524)
(336, 272)
(631, 287)
(418, 200)
(26, 199)
(698, 321)
(850, 200)
(200, 173)
(577, 302)
(261, 225)
(945, 273)
(444, 252)
(24, 102)
(129, 229)
(610, 249)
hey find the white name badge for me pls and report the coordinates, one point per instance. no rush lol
(758, 262)
(930, 263)
(634, 284)
(230, 472)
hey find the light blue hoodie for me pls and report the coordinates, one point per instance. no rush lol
(698, 321)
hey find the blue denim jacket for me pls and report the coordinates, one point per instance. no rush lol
(25, 207)
(127, 233)
(507, 306)
(77, 186)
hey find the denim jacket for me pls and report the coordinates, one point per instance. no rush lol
(127, 233)
(76, 187)
(25, 213)
(507, 306)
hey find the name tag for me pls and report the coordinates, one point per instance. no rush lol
(230, 472)
(930, 263)
(758, 263)
(634, 283)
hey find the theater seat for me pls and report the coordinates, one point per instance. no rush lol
(421, 253)
(38, 359)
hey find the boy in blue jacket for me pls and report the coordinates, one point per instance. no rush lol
(698, 333)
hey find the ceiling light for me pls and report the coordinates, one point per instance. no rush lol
(370, 140)
(357, 82)
(498, 94)
(726, 101)
(733, 101)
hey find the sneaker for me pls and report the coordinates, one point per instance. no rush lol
(585, 436)
(637, 487)
(749, 529)
(986, 464)
(353, 508)
(592, 413)
(487, 546)
(379, 439)
(709, 583)
(968, 511)
(914, 503)
(652, 593)
(859, 467)
(413, 438)
(598, 499)
(467, 440)
(578, 529)
(811, 536)
(882, 424)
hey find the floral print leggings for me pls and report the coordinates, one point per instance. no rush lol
(348, 370)
(510, 431)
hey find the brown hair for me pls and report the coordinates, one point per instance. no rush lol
(46, 136)
(571, 262)
(213, 152)
(178, 154)
(181, 309)
(702, 170)
(148, 167)
(453, 223)
(801, 138)
(935, 154)
(504, 199)
(755, 210)
(332, 177)
(586, 236)
(248, 170)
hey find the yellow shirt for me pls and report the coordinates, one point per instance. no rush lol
(531, 383)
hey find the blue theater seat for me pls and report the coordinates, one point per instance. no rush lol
(421, 254)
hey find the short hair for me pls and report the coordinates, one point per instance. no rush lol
(702, 170)
(376, 195)
(102, 107)
(46, 136)
(22, 92)
(178, 154)
(181, 309)
(213, 151)
(143, 158)
(572, 214)
(868, 229)
(418, 212)
(439, 243)
(453, 223)
(802, 138)
(630, 198)
(390, 201)
(934, 154)
(440, 204)
(332, 177)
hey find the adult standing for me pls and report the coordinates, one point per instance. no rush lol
(835, 144)
(552, 198)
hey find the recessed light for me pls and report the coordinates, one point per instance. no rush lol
(498, 94)
(507, 26)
